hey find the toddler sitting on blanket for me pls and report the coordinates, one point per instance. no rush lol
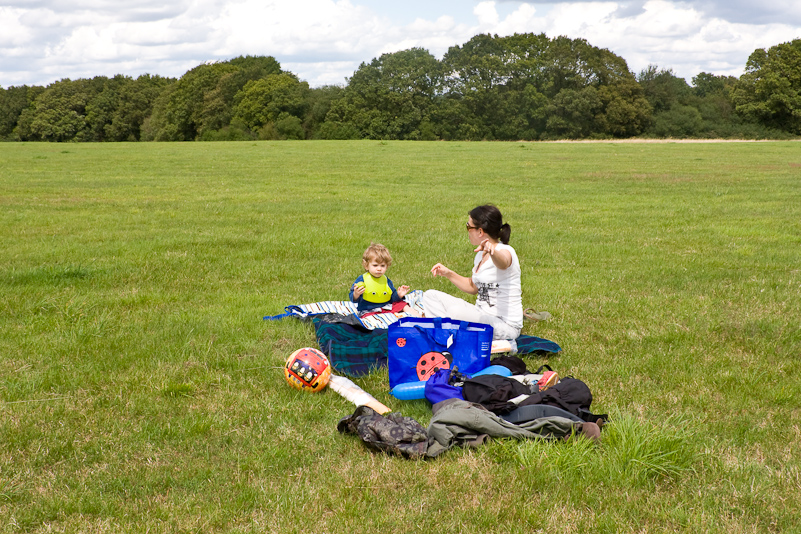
(373, 291)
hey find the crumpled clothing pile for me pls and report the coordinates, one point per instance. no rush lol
(455, 423)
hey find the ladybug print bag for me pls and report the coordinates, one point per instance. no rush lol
(419, 347)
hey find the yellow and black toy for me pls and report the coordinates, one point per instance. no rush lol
(307, 369)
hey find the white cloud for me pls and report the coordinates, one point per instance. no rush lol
(668, 34)
(298, 28)
(523, 20)
(14, 32)
(486, 14)
(324, 41)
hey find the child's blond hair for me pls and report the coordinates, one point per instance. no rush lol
(378, 252)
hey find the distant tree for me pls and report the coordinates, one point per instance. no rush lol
(662, 88)
(334, 129)
(452, 120)
(157, 126)
(713, 101)
(599, 82)
(102, 106)
(674, 104)
(527, 86)
(494, 87)
(485, 62)
(96, 109)
(320, 101)
(13, 101)
(626, 112)
(203, 98)
(679, 121)
(391, 97)
(572, 113)
(286, 126)
(271, 102)
(770, 89)
(319, 124)
(706, 84)
(178, 116)
(256, 66)
(135, 102)
(218, 103)
(59, 112)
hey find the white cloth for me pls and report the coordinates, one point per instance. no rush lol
(440, 304)
(499, 290)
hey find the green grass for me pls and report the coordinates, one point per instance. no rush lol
(140, 389)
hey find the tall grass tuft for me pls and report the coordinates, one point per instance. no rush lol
(643, 452)
(631, 454)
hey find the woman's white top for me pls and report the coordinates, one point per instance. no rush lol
(499, 290)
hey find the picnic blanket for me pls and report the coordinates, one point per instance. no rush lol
(355, 351)
(373, 321)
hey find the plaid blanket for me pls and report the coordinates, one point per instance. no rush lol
(352, 350)
(355, 351)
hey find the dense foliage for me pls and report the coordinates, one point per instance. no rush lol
(519, 87)
(770, 89)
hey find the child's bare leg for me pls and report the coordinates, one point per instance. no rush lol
(409, 311)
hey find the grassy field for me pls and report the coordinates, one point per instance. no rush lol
(140, 390)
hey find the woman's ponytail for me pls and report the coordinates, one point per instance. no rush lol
(505, 233)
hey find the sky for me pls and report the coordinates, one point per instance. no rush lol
(324, 41)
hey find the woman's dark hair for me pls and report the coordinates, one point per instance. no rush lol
(489, 218)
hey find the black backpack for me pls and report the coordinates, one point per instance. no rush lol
(570, 394)
(495, 393)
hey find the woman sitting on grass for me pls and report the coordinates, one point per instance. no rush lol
(495, 279)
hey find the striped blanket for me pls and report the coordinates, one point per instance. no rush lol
(373, 321)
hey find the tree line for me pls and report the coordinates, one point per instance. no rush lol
(518, 87)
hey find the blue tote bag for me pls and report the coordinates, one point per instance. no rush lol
(418, 347)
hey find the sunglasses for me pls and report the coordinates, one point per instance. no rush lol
(470, 227)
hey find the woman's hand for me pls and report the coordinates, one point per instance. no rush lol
(486, 246)
(501, 258)
(440, 270)
(463, 283)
